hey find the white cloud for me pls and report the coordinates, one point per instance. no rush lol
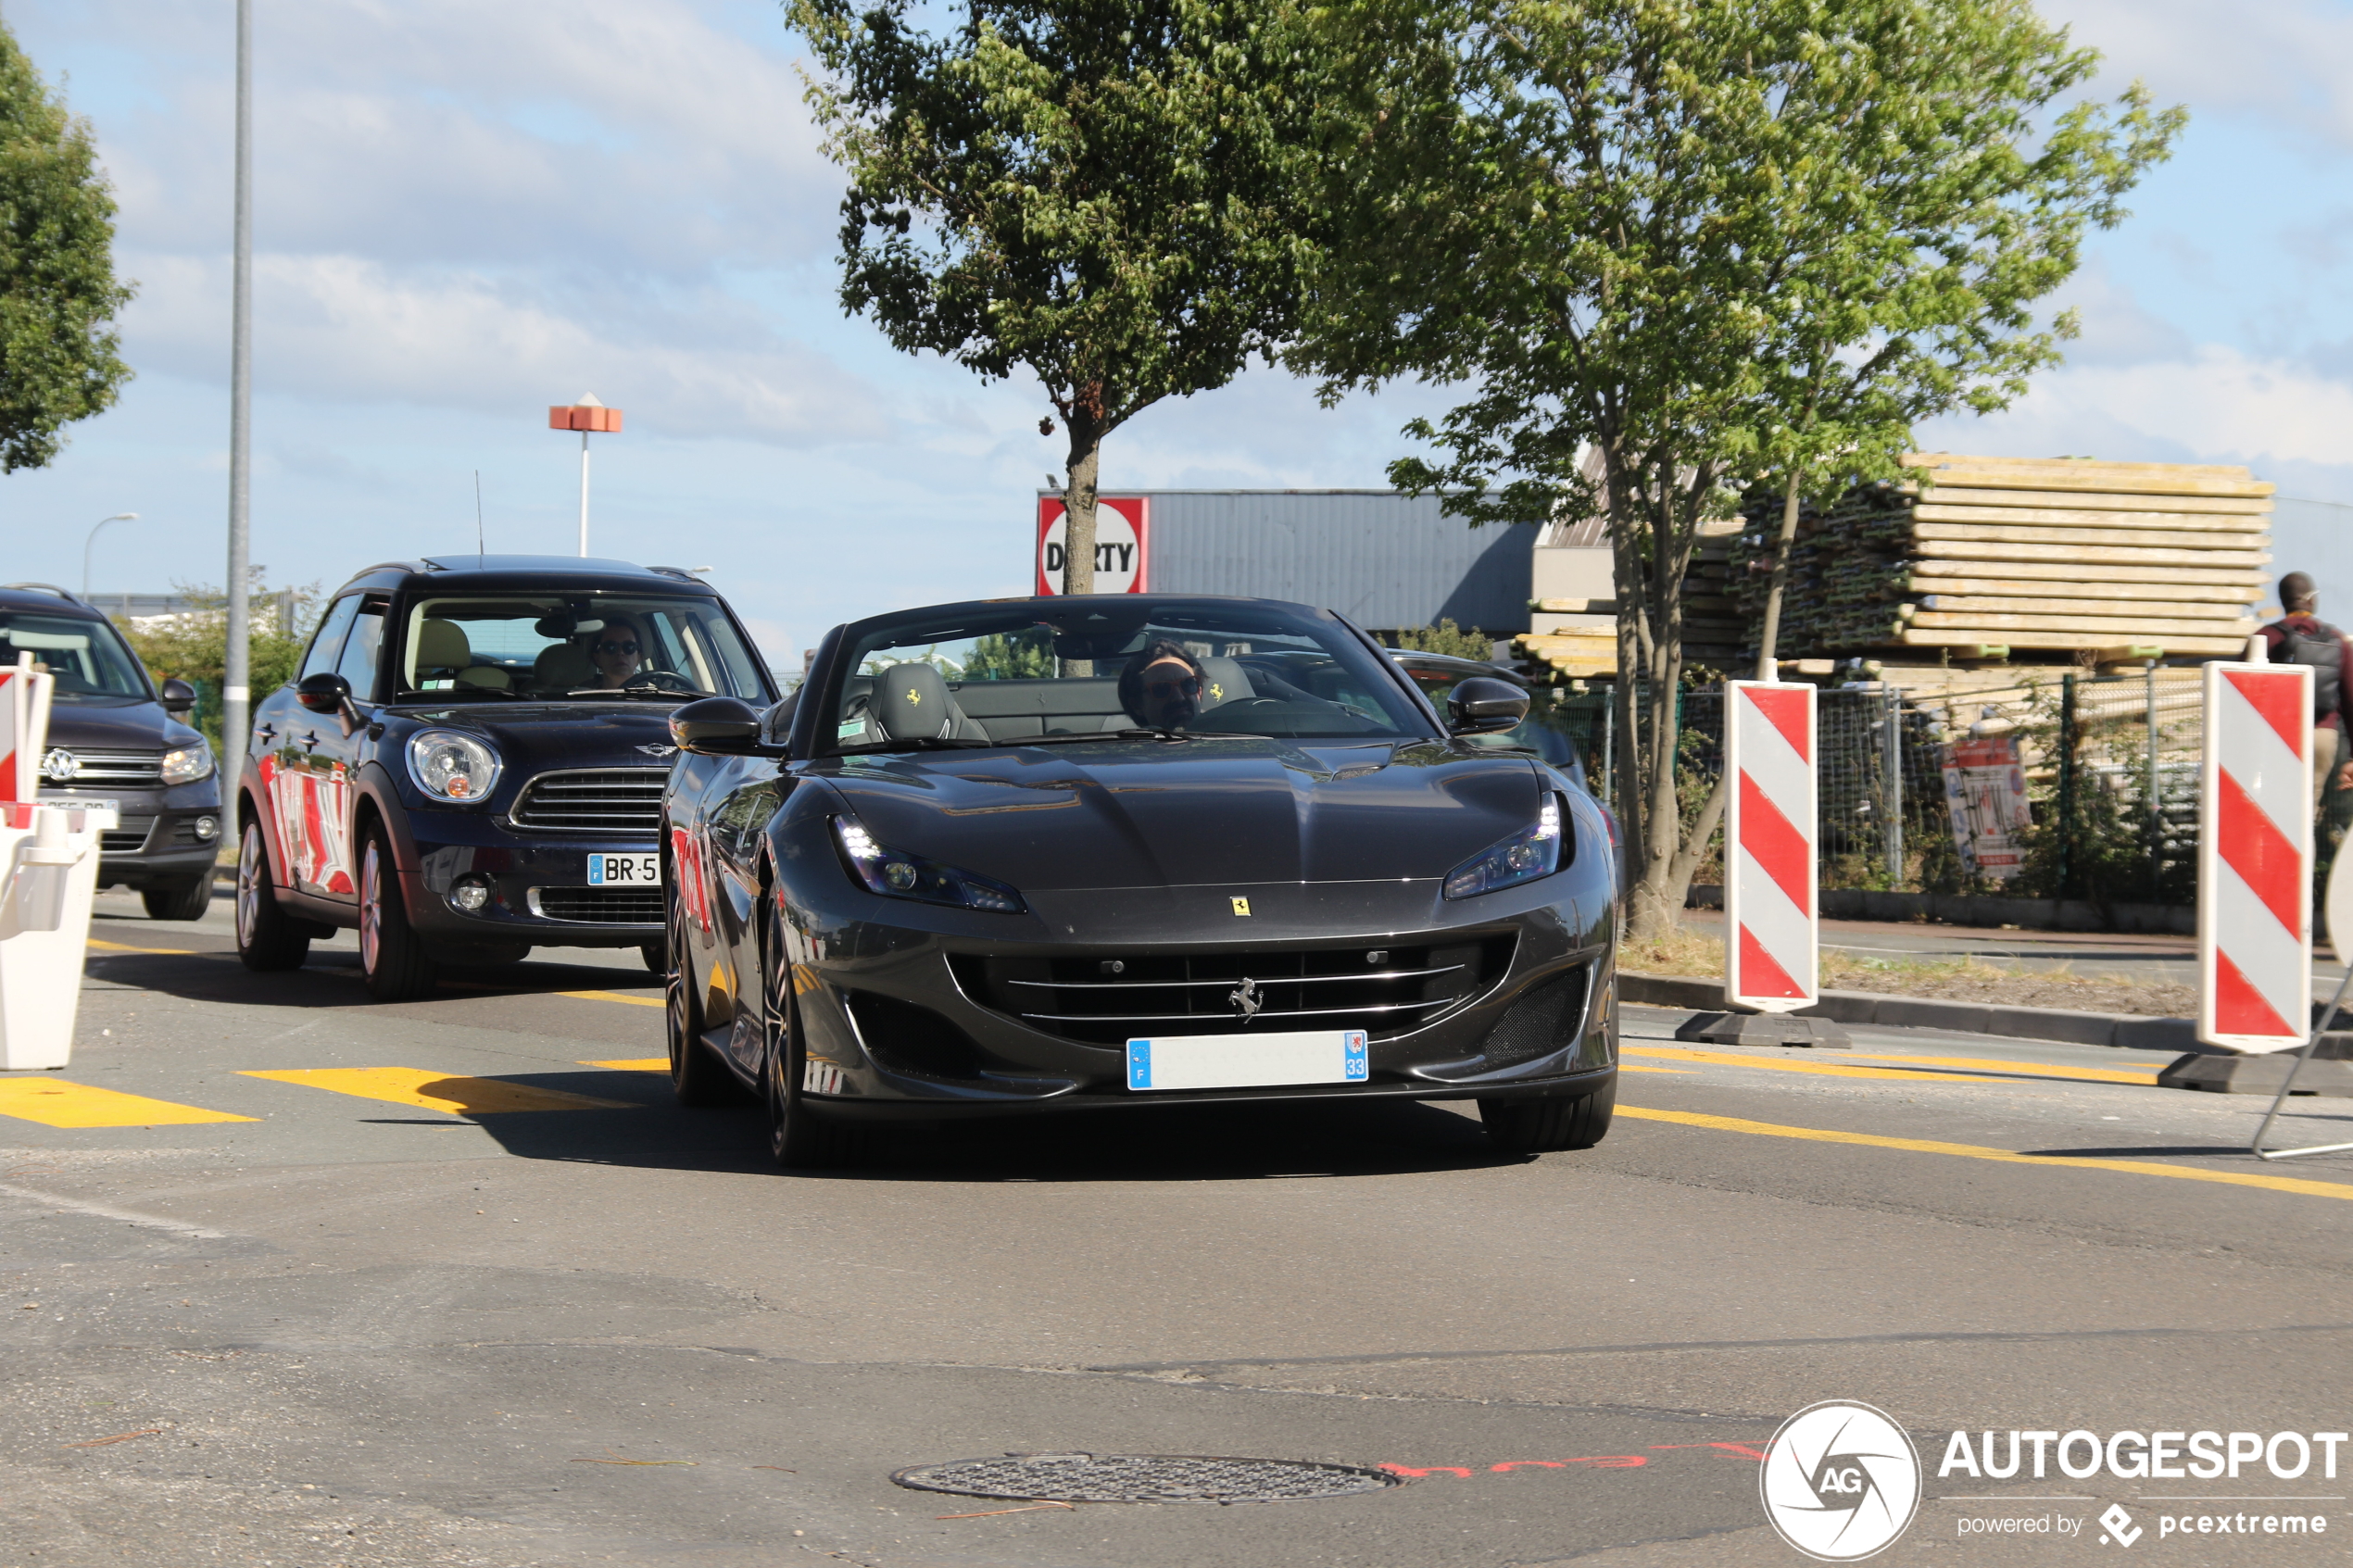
(2286, 59)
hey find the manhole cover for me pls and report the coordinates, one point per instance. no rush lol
(1145, 1478)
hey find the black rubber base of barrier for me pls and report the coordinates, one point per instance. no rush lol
(2329, 1076)
(2129, 1031)
(1763, 1029)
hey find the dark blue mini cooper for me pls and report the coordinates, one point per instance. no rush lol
(470, 761)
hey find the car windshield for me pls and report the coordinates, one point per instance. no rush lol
(87, 656)
(582, 647)
(1545, 731)
(1096, 669)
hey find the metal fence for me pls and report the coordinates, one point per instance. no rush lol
(2108, 763)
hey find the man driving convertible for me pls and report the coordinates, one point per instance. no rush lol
(1161, 687)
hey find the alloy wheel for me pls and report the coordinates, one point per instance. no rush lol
(249, 873)
(372, 916)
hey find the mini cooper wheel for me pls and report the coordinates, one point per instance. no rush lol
(798, 1138)
(1543, 1126)
(392, 959)
(267, 938)
(697, 1077)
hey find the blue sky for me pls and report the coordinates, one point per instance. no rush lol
(470, 210)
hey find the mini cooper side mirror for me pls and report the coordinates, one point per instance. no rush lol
(1483, 705)
(717, 726)
(323, 693)
(178, 697)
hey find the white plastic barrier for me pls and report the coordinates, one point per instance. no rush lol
(2255, 859)
(1772, 915)
(48, 873)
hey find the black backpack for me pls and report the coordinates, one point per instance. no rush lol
(2322, 647)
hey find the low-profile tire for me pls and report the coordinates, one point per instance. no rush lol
(1543, 1126)
(697, 1077)
(268, 938)
(799, 1139)
(392, 957)
(178, 900)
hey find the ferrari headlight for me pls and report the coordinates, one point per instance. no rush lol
(896, 875)
(452, 767)
(188, 764)
(1533, 851)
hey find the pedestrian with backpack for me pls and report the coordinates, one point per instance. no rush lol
(2299, 637)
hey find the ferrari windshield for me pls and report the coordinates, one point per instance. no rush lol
(1103, 667)
(578, 645)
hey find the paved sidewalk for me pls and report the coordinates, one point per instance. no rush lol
(2139, 959)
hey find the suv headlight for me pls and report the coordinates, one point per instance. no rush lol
(1533, 851)
(452, 767)
(188, 764)
(896, 875)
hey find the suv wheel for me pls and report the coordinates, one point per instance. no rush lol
(391, 957)
(185, 900)
(267, 938)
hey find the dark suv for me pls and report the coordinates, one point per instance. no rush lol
(470, 761)
(114, 737)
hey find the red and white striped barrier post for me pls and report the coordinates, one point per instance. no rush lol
(2255, 859)
(1772, 925)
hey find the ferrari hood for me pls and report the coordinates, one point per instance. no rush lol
(1228, 810)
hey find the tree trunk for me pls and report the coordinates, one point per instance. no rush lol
(1078, 521)
(1768, 667)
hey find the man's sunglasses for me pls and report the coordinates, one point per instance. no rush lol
(1187, 686)
(616, 647)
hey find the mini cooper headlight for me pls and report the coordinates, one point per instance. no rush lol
(188, 764)
(451, 767)
(896, 875)
(1533, 851)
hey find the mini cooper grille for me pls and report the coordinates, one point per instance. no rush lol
(593, 800)
(602, 906)
(1105, 1001)
(127, 837)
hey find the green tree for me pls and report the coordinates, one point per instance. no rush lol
(58, 294)
(1675, 244)
(1096, 189)
(192, 646)
(1447, 637)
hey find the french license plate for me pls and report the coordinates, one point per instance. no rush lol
(624, 870)
(1247, 1062)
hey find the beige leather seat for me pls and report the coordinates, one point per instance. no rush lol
(443, 653)
(562, 667)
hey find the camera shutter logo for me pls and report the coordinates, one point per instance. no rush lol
(1841, 1481)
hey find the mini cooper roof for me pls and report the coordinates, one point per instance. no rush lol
(525, 573)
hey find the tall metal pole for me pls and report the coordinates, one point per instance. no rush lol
(233, 675)
(583, 494)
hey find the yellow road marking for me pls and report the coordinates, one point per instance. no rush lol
(635, 1064)
(2003, 1156)
(2045, 1070)
(439, 1091)
(1638, 1067)
(612, 997)
(126, 948)
(1783, 1064)
(52, 1102)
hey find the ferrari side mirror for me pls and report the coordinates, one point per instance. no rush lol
(1484, 705)
(717, 726)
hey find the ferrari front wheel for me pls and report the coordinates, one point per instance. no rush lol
(798, 1138)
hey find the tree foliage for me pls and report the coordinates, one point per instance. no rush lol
(193, 644)
(1673, 245)
(1095, 189)
(59, 358)
(1447, 637)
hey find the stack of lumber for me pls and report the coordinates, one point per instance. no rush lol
(1986, 555)
(1713, 629)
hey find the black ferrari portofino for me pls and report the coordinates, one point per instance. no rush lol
(1046, 854)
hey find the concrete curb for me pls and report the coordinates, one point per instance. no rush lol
(2128, 1031)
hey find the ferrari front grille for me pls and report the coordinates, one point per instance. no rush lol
(1107, 1000)
(609, 800)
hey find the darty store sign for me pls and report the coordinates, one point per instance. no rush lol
(1123, 543)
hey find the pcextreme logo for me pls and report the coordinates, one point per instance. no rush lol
(1840, 1481)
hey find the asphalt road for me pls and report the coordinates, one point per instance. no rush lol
(457, 1284)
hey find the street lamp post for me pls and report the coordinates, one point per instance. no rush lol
(118, 517)
(585, 416)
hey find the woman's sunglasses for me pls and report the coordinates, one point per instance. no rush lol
(616, 647)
